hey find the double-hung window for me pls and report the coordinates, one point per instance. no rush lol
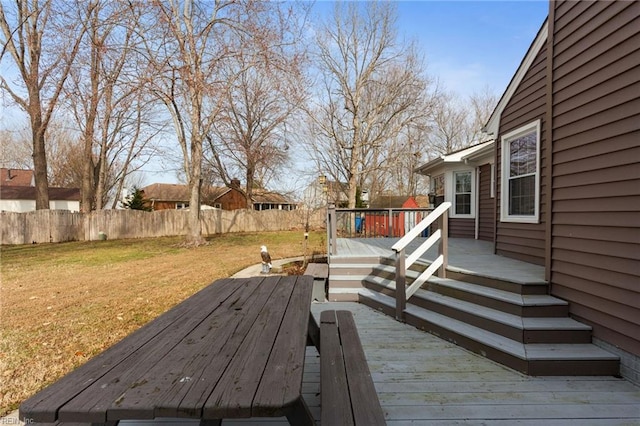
(520, 185)
(462, 194)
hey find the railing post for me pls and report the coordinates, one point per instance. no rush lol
(443, 246)
(332, 226)
(401, 286)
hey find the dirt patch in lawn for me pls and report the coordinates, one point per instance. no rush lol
(61, 304)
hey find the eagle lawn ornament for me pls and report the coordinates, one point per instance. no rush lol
(266, 260)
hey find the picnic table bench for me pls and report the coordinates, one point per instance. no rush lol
(320, 274)
(236, 349)
(347, 394)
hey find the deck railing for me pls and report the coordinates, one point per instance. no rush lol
(404, 262)
(371, 223)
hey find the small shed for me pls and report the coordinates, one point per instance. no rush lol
(377, 221)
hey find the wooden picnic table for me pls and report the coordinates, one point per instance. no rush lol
(235, 349)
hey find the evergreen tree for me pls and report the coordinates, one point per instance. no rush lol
(136, 201)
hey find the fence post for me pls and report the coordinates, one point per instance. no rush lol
(401, 285)
(331, 228)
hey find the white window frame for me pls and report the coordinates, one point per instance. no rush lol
(450, 191)
(471, 194)
(504, 178)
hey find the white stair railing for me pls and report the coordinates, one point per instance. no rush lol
(404, 262)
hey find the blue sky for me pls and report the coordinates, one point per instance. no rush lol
(469, 44)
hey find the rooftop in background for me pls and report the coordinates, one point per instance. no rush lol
(16, 177)
(29, 193)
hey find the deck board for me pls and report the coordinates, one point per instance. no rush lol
(465, 255)
(422, 379)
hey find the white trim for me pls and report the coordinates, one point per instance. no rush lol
(504, 186)
(493, 124)
(472, 196)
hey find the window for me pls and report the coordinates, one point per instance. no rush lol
(521, 174)
(181, 206)
(462, 193)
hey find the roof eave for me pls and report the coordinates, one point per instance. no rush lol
(493, 124)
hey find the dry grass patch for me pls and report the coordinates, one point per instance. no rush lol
(61, 304)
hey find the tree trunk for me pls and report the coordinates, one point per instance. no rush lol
(194, 228)
(39, 153)
(40, 167)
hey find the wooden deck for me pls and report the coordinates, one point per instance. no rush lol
(465, 255)
(424, 380)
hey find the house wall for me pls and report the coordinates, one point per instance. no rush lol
(164, 205)
(525, 241)
(22, 206)
(19, 206)
(232, 200)
(462, 228)
(486, 214)
(72, 206)
(595, 246)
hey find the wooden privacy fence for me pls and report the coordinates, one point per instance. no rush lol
(53, 226)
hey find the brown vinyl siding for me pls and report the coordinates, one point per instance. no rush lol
(163, 205)
(595, 246)
(486, 213)
(462, 228)
(525, 241)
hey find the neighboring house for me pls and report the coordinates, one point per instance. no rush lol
(13, 177)
(162, 196)
(465, 178)
(166, 196)
(23, 199)
(18, 193)
(322, 192)
(267, 200)
(567, 167)
(378, 223)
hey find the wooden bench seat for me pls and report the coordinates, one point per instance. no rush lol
(347, 393)
(320, 274)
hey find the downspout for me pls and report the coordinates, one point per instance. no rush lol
(548, 226)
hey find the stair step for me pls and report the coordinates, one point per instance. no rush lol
(351, 268)
(536, 359)
(526, 329)
(527, 305)
(513, 285)
(530, 306)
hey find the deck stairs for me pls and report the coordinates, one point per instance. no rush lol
(516, 324)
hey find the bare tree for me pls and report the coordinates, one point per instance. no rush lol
(42, 40)
(107, 101)
(184, 44)
(449, 126)
(266, 88)
(456, 125)
(15, 150)
(482, 103)
(373, 87)
(187, 44)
